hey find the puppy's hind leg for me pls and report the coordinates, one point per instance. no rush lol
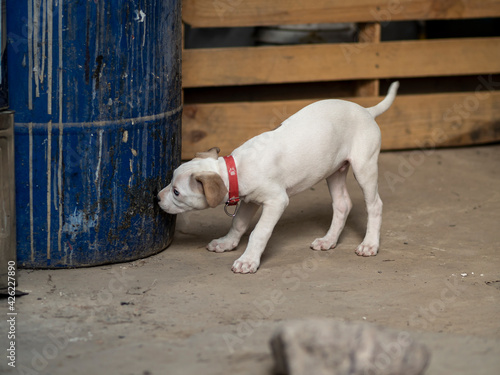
(367, 177)
(341, 207)
(239, 226)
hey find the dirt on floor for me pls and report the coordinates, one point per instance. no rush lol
(437, 276)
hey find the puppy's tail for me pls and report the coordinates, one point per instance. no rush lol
(387, 102)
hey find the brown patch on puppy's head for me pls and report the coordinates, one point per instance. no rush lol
(212, 153)
(213, 187)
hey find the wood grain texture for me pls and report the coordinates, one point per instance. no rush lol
(238, 13)
(369, 33)
(414, 121)
(331, 62)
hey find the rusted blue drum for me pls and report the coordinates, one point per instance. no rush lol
(96, 90)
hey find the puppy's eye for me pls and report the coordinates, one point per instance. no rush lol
(176, 192)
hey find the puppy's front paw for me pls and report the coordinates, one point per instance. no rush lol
(244, 265)
(322, 244)
(367, 250)
(222, 244)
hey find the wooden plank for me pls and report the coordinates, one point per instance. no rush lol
(414, 121)
(331, 62)
(369, 33)
(238, 13)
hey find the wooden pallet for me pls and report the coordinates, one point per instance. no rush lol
(414, 121)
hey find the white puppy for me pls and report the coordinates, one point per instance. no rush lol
(318, 142)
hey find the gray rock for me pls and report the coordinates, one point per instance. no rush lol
(321, 346)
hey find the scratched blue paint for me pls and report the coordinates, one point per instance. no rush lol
(96, 89)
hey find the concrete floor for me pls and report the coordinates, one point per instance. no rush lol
(183, 311)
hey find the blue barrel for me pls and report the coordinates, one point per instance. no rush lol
(96, 90)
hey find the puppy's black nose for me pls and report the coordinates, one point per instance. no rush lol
(156, 195)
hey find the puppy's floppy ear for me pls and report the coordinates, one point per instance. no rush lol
(212, 153)
(213, 187)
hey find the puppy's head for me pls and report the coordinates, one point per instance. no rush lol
(195, 185)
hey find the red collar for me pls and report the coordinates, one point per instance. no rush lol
(234, 196)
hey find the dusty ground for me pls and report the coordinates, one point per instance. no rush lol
(183, 311)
